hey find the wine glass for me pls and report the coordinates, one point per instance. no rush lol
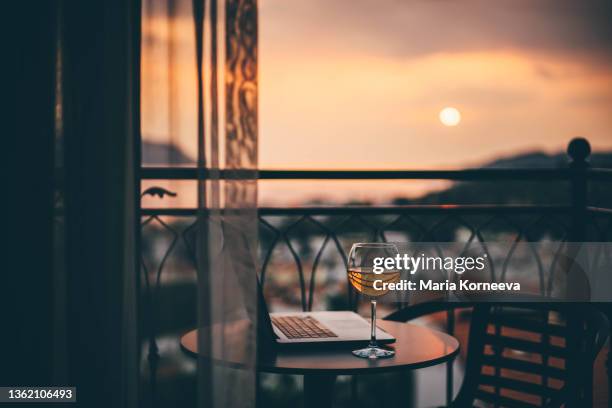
(361, 274)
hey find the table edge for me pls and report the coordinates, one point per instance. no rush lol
(336, 371)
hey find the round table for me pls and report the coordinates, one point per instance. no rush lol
(415, 347)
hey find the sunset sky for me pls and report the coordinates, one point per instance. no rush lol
(360, 84)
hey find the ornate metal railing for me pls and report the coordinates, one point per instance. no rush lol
(304, 243)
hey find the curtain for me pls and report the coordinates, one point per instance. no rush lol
(97, 126)
(227, 202)
(199, 98)
(74, 278)
(27, 298)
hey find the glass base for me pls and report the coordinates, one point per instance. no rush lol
(374, 352)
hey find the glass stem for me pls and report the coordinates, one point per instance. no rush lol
(373, 322)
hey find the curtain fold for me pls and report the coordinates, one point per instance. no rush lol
(227, 216)
(27, 277)
(99, 125)
(199, 98)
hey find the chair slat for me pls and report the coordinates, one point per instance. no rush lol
(525, 345)
(526, 366)
(517, 385)
(529, 324)
(502, 401)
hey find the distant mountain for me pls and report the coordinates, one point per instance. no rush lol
(539, 160)
(164, 154)
(520, 192)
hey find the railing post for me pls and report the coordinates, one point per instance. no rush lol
(578, 150)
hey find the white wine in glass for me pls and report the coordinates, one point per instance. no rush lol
(362, 277)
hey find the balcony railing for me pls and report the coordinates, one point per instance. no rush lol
(304, 244)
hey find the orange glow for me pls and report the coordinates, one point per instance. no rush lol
(330, 98)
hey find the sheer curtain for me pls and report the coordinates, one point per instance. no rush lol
(227, 200)
(199, 95)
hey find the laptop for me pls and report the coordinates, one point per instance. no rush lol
(306, 328)
(324, 328)
(315, 328)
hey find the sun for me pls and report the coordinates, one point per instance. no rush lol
(450, 116)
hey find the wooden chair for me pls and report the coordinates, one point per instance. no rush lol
(526, 354)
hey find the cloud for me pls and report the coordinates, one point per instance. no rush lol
(404, 29)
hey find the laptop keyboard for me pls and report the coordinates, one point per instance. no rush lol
(302, 327)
